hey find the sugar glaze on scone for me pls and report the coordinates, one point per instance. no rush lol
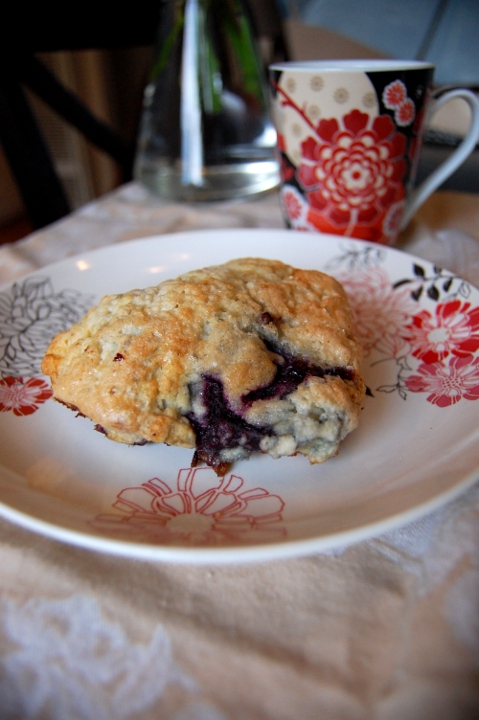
(250, 355)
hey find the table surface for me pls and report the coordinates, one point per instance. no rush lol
(386, 628)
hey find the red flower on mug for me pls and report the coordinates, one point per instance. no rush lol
(394, 94)
(294, 207)
(392, 219)
(292, 203)
(22, 397)
(452, 329)
(395, 98)
(447, 384)
(280, 142)
(286, 169)
(352, 173)
(405, 113)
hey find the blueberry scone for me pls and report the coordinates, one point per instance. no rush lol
(252, 355)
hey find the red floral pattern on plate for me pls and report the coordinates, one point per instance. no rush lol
(201, 509)
(434, 352)
(23, 396)
(447, 384)
(453, 328)
(352, 174)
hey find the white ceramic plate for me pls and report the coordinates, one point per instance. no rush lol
(416, 446)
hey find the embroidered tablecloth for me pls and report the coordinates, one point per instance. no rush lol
(385, 628)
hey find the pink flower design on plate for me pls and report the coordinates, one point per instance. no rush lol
(23, 396)
(352, 173)
(452, 329)
(382, 314)
(201, 509)
(447, 384)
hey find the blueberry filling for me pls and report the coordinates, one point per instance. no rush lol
(290, 373)
(219, 428)
(285, 381)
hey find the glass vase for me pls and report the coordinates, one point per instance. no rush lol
(206, 131)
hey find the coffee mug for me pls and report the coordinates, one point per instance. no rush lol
(349, 139)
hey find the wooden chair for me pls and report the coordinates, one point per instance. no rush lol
(44, 29)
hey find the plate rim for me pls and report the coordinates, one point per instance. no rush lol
(147, 239)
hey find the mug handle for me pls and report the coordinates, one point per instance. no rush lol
(440, 174)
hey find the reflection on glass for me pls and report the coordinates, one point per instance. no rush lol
(206, 132)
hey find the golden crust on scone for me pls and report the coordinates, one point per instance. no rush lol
(253, 354)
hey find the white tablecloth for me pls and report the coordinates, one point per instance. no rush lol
(385, 629)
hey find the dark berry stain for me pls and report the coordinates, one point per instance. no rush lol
(266, 318)
(221, 428)
(290, 373)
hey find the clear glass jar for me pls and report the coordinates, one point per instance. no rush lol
(206, 131)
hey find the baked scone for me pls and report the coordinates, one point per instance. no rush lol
(250, 355)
